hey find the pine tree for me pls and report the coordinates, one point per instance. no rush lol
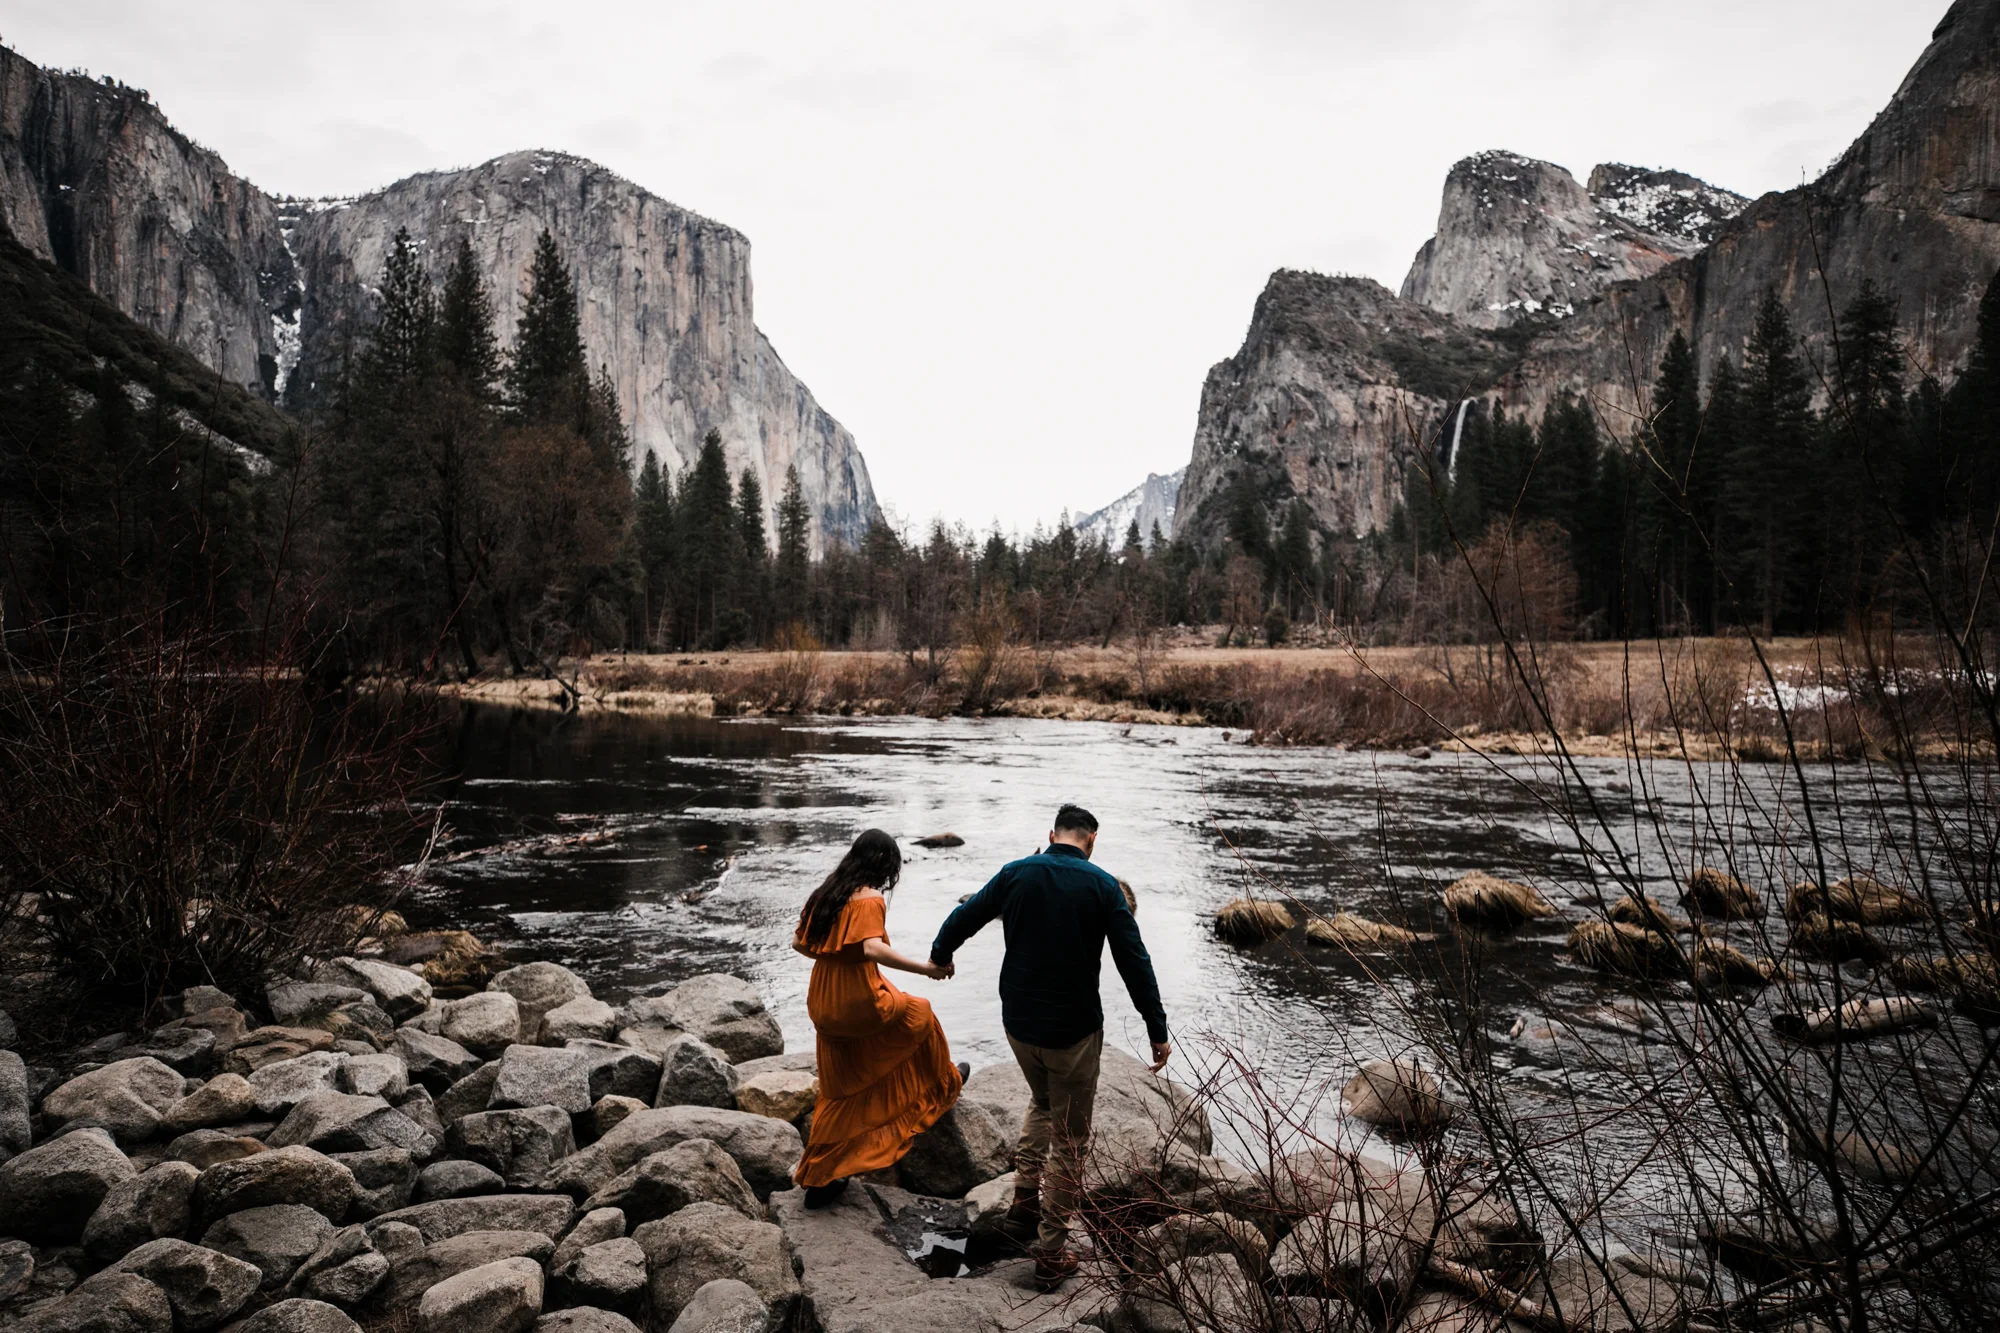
(1294, 558)
(709, 542)
(466, 343)
(1771, 482)
(653, 519)
(793, 574)
(1670, 542)
(548, 380)
(1866, 441)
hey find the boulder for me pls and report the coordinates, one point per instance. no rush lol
(48, 1193)
(584, 1017)
(412, 1275)
(469, 1094)
(268, 1046)
(485, 1024)
(692, 1171)
(188, 1051)
(203, 1286)
(345, 1270)
(127, 1097)
(584, 1319)
(593, 1228)
(963, 1149)
(798, 1061)
(618, 1071)
(296, 1316)
(277, 1238)
(361, 1022)
(292, 1174)
(1212, 1287)
(706, 1241)
(541, 1076)
(292, 1002)
(341, 1122)
(782, 1094)
(723, 1306)
(224, 1022)
(384, 1179)
(503, 1297)
(1356, 1249)
(454, 1179)
(440, 1219)
(1397, 1094)
(609, 1112)
(203, 1148)
(433, 1061)
(383, 1075)
(610, 1275)
(283, 1084)
(522, 1144)
(223, 1100)
(693, 1073)
(1478, 1228)
(16, 1127)
(651, 1038)
(538, 988)
(986, 1205)
(1135, 1107)
(1619, 1301)
(17, 1268)
(144, 1208)
(765, 1150)
(106, 1303)
(401, 993)
(724, 1011)
(1188, 1235)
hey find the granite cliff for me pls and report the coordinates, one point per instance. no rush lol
(1338, 380)
(269, 293)
(1148, 504)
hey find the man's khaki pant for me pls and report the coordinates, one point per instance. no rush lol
(1062, 1090)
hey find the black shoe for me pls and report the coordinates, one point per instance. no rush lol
(823, 1196)
(964, 1071)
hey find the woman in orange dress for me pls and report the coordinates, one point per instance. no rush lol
(885, 1070)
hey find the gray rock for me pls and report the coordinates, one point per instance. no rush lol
(652, 1038)
(49, 1192)
(277, 1238)
(1398, 1094)
(435, 1062)
(693, 1171)
(185, 1050)
(296, 1316)
(381, 1075)
(439, 1219)
(144, 1208)
(963, 1149)
(607, 1113)
(203, 1148)
(593, 1228)
(723, 1306)
(618, 1071)
(541, 1076)
(17, 1268)
(223, 1100)
(412, 1275)
(724, 1011)
(16, 1128)
(485, 1024)
(283, 1084)
(402, 993)
(469, 1094)
(339, 1122)
(610, 1275)
(790, 1061)
(106, 1303)
(706, 1241)
(295, 1174)
(1136, 1109)
(693, 1073)
(582, 1018)
(199, 999)
(422, 1111)
(503, 1297)
(345, 1269)
(765, 1150)
(584, 1319)
(522, 1144)
(538, 988)
(784, 1094)
(127, 1097)
(292, 1002)
(203, 1286)
(454, 1179)
(1214, 1285)
(384, 1179)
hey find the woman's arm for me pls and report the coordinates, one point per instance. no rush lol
(878, 952)
(801, 949)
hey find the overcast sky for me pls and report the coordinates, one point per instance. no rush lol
(1003, 243)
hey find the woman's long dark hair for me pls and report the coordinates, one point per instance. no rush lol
(873, 862)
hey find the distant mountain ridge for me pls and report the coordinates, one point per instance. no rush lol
(273, 293)
(1149, 503)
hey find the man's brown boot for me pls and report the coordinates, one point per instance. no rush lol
(1054, 1267)
(1024, 1215)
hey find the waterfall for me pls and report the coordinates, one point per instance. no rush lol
(1457, 429)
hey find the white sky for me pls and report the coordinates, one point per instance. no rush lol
(1003, 243)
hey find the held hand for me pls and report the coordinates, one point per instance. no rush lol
(1161, 1050)
(942, 971)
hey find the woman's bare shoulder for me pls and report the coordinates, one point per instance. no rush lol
(867, 895)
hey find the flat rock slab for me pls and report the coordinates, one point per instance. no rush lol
(549, 1214)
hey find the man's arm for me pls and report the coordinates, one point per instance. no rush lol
(1135, 965)
(966, 920)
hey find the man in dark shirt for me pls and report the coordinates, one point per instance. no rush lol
(1058, 911)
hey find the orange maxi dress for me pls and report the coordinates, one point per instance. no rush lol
(885, 1070)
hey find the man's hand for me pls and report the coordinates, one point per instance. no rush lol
(943, 971)
(1161, 1050)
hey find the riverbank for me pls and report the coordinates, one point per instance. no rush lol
(1698, 698)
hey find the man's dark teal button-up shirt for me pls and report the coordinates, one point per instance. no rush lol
(1058, 911)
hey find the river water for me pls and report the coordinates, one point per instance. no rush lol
(720, 828)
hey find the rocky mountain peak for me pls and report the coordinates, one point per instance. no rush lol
(1671, 205)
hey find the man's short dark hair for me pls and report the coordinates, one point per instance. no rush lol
(1075, 819)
